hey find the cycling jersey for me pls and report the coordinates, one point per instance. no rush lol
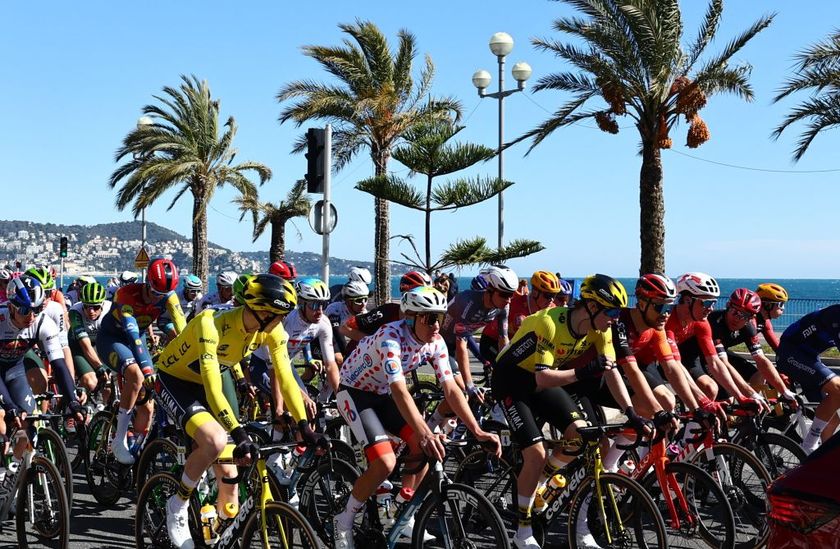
(646, 345)
(82, 327)
(371, 321)
(215, 339)
(213, 301)
(338, 313)
(725, 338)
(545, 341)
(301, 333)
(467, 313)
(801, 345)
(187, 307)
(386, 356)
(520, 307)
(697, 330)
(765, 328)
(56, 312)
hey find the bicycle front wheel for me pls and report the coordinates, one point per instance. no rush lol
(102, 469)
(50, 445)
(285, 528)
(615, 512)
(460, 517)
(778, 453)
(42, 514)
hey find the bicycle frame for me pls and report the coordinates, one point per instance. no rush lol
(659, 460)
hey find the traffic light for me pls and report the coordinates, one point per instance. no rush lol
(63, 247)
(315, 160)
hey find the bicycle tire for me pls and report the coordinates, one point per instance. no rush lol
(48, 503)
(638, 522)
(51, 445)
(716, 523)
(280, 517)
(495, 479)
(158, 456)
(100, 458)
(150, 515)
(778, 453)
(323, 493)
(745, 487)
(474, 520)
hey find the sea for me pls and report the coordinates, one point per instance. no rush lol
(807, 294)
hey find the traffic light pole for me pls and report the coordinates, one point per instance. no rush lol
(325, 213)
(61, 276)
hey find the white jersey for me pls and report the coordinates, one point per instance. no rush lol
(15, 342)
(302, 333)
(56, 312)
(338, 312)
(213, 301)
(386, 356)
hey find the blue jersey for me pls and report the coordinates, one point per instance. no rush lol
(814, 333)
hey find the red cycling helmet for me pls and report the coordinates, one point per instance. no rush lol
(745, 300)
(413, 279)
(162, 276)
(283, 269)
(656, 287)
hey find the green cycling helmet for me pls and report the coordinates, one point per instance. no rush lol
(43, 276)
(93, 294)
(239, 285)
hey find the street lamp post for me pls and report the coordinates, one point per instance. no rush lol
(501, 44)
(142, 122)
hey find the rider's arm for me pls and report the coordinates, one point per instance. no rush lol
(49, 341)
(668, 355)
(462, 357)
(721, 371)
(770, 374)
(472, 345)
(350, 329)
(637, 381)
(618, 390)
(176, 314)
(289, 389)
(503, 327)
(131, 328)
(206, 338)
(328, 353)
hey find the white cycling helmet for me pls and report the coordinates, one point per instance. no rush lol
(5, 274)
(698, 285)
(127, 277)
(226, 279)
(312, 289)
(360, 274)
(423, 299)
(501, 279)
(354, 289)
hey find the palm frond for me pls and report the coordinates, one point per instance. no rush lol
(393, 189)
(705, 34)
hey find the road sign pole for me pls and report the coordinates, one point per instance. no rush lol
(325, 213)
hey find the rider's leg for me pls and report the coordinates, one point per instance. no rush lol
(708, 385)
(827, 408)
(132, 381)
(381, 462)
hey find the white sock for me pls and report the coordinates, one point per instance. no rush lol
(614, 454)
(812, 439)
(436, 419)
(345, 519)
(123, 418)
(525, 502)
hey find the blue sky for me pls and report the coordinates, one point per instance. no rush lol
(76, 75)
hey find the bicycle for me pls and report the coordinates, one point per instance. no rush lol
(778, 453)
(260, 520)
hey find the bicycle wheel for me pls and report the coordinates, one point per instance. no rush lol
(460, 517)
(778, 453)
(744, 481)
(706, 521)
(50, 445)
(102, 465)
(495, 479)
(159, 456)
(42, 499)
(286, 528)
(615, 513)
(323, 494)
(150, 518)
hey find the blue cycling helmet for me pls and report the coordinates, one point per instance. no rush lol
(25, 293)
(565, 287)
(478, 283)
(192, 282)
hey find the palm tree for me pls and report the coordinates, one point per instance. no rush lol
(182, 148)
(375, 101)
(632, 57)
(295, 205)
(428, 150)
(818, 69)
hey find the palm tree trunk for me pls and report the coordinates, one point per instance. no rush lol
(381, 236)
(277, 250)
(429, 225)
(651, 210)
(199, 239)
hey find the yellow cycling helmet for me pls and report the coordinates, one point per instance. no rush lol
(545, 282)
(267, 292)
(604, 290)
(771, 292)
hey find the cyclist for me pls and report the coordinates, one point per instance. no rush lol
(564, 297)
(356, 274)
(122, 342)
(528, 383)
(22, 326)
(190, 294)
(283, 269)
(471, 310)
(222, 297)
(5, 277)
(544, 290)
(189, 384)
(773, 299)
(124, 279)
(375, 402)
(354, 295)
(85, 320)
(75, 290)
(798, 357)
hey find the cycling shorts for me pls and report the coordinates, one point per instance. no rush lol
(371, 418)
(489, 347)
(805, 369)
(184, 402)
(528, 410)
(31, 361)
(743, 366)
(117, 350)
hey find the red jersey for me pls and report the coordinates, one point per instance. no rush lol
(647, 346)
(698, 329)
(765, 327)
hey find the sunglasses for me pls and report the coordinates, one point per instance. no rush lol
(23, 310)
(775, 304)
(707, 303)
(93, 307)
(661, 308)
(359, 300)
(431, 318)
(316, 305)
(741, 314)
(611, 313)
(504, 295)
(547, 296)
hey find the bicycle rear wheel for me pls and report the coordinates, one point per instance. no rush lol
(159, 456)
(323, 493)
(150, 518)
(707, 522)
(50, 445)
(102, 468)
(778, 453)
(616, 513)
(286, 528)
(495, 479)
(42, 496)
(461, 517)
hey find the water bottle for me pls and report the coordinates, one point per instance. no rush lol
(384, 504)
(459, 431)
(548, 492)
(208, 523)
(627, 467)
(229, 512)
